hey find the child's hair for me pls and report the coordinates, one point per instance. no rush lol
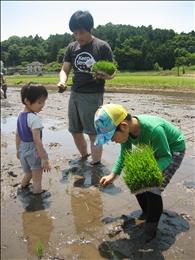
(128, 117)
(32, 92)
(81, 20)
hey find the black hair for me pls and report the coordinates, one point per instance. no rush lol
(128, 117)
(81, 20)
(32, 92)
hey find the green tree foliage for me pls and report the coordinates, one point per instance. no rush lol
(134, 48)
(60, 55)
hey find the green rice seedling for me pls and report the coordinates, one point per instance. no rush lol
(39, 249)
(103, 66)
(50, 181)
(57, 167)
(66, 190)
(141, 171)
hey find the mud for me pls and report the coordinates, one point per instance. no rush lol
(76, 218)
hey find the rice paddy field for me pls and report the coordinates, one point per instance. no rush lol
(149, 80)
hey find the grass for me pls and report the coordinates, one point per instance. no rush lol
(39, 249)
(148, 80)
(141, 169)
(151, 80)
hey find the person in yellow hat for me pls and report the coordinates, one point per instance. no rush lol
(113, 122)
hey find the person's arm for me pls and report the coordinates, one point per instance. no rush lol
(161, 148)
(17, 145)
(118, 166)
(66, 68)
(36, 133)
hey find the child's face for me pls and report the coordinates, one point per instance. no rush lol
(121, 136)
(37, 105)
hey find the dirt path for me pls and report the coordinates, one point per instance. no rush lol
(81, 220)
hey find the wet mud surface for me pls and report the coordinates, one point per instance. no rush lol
(78, 219)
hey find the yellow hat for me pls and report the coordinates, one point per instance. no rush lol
(116, 112)
(106, 120)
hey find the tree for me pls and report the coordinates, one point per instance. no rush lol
(60, 55)
(165, 57)
(180, 61)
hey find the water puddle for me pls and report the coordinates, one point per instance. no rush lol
(78, 219)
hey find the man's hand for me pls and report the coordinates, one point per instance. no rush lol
(103, 76)
(61, 87)
(107, 179)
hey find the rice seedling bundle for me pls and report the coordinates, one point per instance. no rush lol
(104, 67)
(141, 171)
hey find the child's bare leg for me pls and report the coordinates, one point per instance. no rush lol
(37, 181)
(26, 179)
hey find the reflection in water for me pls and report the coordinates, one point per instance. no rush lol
(87, 213)
(37, 226)
(87, 210)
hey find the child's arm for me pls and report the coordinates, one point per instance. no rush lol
(108, 179)
(40, 149)
(17, 145)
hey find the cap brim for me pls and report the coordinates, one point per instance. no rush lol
(104, 138)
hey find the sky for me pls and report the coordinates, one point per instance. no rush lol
(25, 18)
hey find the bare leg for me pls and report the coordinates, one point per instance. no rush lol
(81, 143)
(26, 179)
(37, 181)
(96, 150)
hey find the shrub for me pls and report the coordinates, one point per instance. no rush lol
(105, 67)
(141, 170)
(157, 67)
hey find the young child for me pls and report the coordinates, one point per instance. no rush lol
(29, 146)
(113, 122)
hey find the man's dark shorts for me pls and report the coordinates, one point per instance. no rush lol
(81, 111)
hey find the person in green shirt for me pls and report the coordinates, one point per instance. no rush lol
(113, 122)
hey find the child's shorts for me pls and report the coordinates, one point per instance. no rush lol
(29, 158)
(168, 173)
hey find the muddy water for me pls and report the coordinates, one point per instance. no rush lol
(78, 219)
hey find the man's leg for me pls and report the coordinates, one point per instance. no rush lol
(96, 150)
(4, 87)
(80, 143)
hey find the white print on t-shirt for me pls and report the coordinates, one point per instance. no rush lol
(84, 61)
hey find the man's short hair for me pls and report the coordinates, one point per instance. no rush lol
(81, 20)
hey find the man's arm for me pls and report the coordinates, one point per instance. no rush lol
(66, 68)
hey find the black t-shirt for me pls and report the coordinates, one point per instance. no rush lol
(82, 58)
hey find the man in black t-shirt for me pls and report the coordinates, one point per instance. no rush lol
(86, 91)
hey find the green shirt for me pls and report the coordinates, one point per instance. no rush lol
(164, 137)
